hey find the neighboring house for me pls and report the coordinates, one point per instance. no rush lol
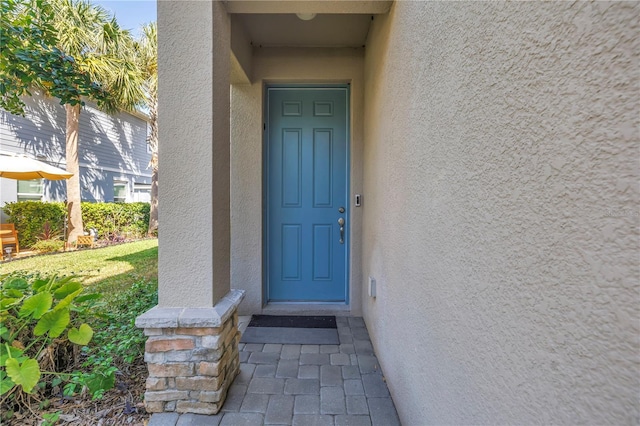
(484, 159)
(113, 152)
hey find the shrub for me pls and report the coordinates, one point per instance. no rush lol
(126, 219)
(29, 218)
(48, 246)
(129, 220)
(49, 232)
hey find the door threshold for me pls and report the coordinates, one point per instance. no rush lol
(281, 308)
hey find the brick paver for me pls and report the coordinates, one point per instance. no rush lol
(304, 385)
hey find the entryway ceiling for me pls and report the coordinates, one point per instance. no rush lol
(337, 23)
(277, 23)
(325, 30)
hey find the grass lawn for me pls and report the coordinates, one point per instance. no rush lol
(110, 269)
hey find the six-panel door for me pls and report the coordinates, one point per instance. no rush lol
(307, 167)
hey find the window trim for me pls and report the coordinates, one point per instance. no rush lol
(30, 196)
(125, 185)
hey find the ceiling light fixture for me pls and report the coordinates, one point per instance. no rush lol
(306, 16)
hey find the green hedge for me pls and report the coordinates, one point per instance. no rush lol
(125, 219)
(29, 218)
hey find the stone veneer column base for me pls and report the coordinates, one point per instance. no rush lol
(192, 356)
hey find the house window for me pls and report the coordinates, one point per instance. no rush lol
(30, 190)
(142, 192)
(119, 192)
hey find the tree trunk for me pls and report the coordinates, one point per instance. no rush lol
(74, 211)
(153, 143)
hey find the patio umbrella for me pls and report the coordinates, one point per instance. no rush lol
(25, 168)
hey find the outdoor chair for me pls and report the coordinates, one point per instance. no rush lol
(8, 236)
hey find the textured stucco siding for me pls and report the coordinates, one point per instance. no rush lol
(501, 214)
(193, 152)
(284, 65)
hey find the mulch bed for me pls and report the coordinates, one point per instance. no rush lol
(121, 405)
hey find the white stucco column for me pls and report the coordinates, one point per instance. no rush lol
(193, 54)
(192, 347)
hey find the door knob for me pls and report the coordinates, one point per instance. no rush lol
(341, 223)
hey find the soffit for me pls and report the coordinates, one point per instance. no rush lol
(309, 6)
(287, 30)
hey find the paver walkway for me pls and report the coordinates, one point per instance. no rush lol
(304, 385)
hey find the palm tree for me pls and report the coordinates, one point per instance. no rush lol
(147, 58)
(104, 51)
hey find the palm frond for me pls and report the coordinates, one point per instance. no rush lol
(103, 50)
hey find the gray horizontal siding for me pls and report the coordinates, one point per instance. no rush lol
(114, 142)
(111, 148)
(40, 132)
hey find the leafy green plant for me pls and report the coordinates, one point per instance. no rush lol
(39, 317)
(116, 350)
(116, 333)
(50, 419)
(101, 378)
(30, 58)
(49, 233)
(48, 246)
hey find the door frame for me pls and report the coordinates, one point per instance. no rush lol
(265, 188)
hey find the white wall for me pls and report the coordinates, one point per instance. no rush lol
(284, 65)
(8, 194)
(501, 214)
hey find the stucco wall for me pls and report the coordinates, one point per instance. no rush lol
(284, 65)
(501, 211)
(193, 152)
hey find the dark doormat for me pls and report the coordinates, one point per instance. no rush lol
(293, 321)
(300, 330)
(291, 336)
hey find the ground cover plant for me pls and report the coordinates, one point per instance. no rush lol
(69, 347)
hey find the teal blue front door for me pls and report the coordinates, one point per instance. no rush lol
(306, 192)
